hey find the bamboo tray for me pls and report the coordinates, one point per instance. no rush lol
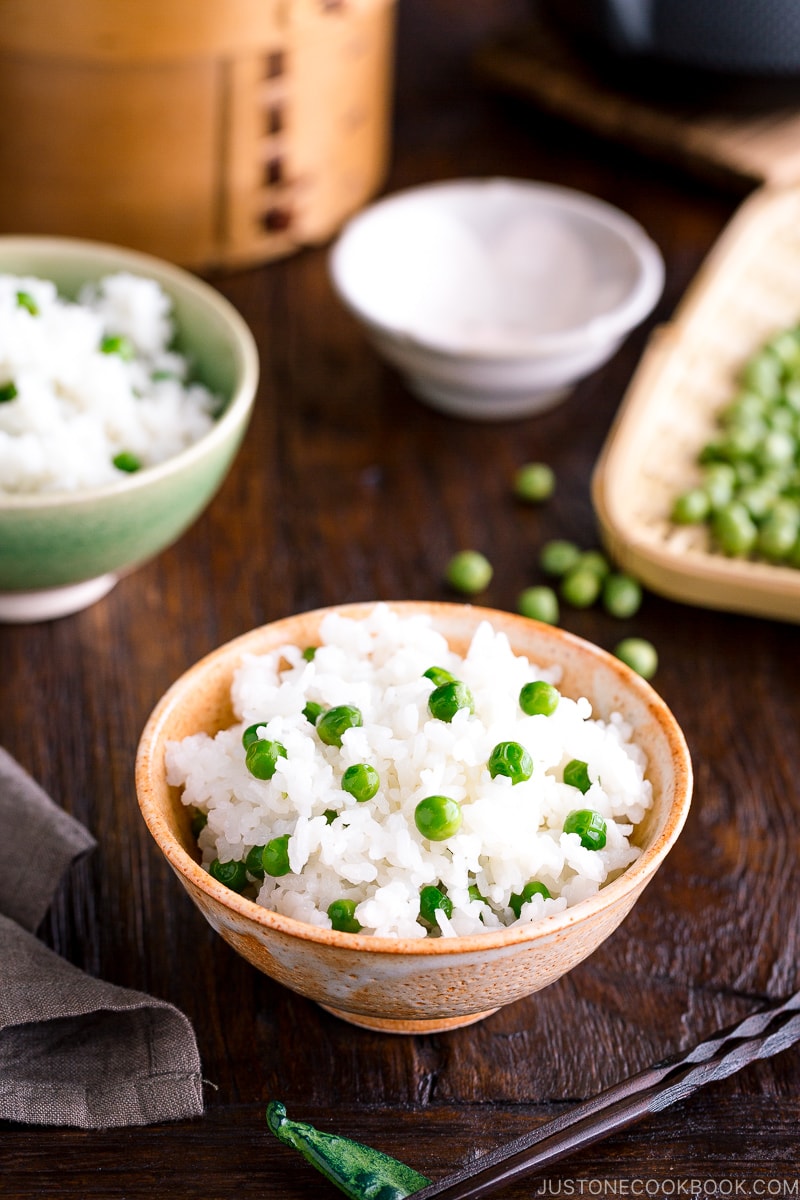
(747, 290)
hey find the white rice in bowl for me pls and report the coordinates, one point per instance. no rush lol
(91, 389)
(372, 852)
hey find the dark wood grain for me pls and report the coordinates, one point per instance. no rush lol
(347, 488)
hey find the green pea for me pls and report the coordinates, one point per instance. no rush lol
(786, 348)
(719, 481)
(589, 826)
(261, 757)
(8, 391)
(251, 734)
(334, 723)
(777, 449)
(745, 473)
(594, 560)
(342, 916)
(747, 406)
(539, 603)
(313, 711)
(576, 774)
(449, 698)
(26, 300)
(534, 482)
(431, 899)
(534, 888)
(438, 675)
(741, 442)
(622, 595)
(125, 461)
(309, 653)
(691, 507)
(330, 815)
(734, 529)
(791, 395)
(361, 781)
(255, 862)
(198, 823)
(558, 556)
(438, 818)
(762, 374)
(469, 571)
(757, 498)
(275, 857)
(779, 533)
(580, 587)
(233, 874)
(511, 760)
(539, 698)
(638, 654)
(117, 343)
(782, 419)
(474, 893)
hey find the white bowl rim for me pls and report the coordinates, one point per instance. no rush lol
(637, 875)
(238, 404)
(602, 329)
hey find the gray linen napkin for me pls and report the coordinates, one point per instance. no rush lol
(73, 1049)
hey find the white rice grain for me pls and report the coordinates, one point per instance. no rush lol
(372, 852)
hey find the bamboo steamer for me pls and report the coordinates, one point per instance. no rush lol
(208, 132)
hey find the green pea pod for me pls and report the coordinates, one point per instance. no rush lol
(359, 1171)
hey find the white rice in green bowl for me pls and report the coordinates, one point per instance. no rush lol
(91, 389)
(331, 846)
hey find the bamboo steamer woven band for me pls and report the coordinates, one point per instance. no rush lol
(206, 133)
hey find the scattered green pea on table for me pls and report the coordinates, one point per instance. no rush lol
(638, 654)
(534, 482)
(469, 572)
(539, 603)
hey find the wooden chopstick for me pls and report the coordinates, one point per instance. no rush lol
(759, 1035)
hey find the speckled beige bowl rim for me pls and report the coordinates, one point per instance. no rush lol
(632, 879)
(167, 274)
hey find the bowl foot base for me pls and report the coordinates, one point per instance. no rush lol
(45, 604)
(484, 405)
(386, 1025)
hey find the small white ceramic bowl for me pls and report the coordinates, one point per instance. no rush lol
(493, 297)
(62, 551)
(418, 985)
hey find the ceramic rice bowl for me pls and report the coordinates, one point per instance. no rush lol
(60, 551)
(428, 984)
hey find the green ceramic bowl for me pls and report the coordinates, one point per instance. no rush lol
(62, 551)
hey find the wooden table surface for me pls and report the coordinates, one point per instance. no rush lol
(347, 488)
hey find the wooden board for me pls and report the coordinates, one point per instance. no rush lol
(743, 134)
